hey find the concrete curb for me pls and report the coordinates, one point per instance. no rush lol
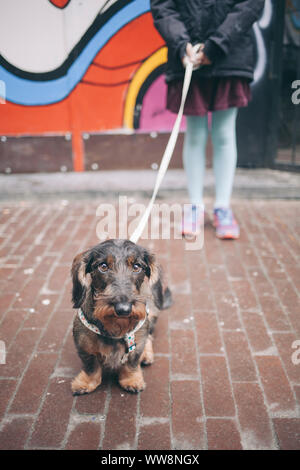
(249, 183)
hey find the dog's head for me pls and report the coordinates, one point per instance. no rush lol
(111, 283)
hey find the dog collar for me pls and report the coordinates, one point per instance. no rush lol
(129, 338)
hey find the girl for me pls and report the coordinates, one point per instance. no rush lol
(223, 61)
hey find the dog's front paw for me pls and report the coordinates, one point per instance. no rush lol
(132, 380)
(148, 356)
(85, 383)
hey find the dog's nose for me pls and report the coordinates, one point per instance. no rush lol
(123, 309)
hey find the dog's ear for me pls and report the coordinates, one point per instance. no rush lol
(153, 270)
(162, 298)
(81, 279)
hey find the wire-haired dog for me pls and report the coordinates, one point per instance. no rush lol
(117, 287)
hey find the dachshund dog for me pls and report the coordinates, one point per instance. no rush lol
(117, 287)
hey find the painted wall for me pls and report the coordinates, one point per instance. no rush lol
(86, 66)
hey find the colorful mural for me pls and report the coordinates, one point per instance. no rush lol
(74, 66)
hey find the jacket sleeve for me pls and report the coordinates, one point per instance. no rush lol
(169, 24)
(237, 22)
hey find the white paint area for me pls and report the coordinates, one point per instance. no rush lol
(35, 36)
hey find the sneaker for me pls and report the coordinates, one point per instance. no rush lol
(192, 220)
(225, 224)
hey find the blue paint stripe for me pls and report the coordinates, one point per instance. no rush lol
(34, 93)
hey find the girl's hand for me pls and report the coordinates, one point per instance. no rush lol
(204, 60)
(195, 55)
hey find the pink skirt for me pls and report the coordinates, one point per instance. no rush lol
(209, 94)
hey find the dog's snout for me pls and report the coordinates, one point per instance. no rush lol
(123, 309)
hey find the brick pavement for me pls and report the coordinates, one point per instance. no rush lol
(223, 376)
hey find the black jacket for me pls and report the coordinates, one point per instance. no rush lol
(224, 26)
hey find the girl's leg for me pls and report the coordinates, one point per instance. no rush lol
(225, 154)
(194, 164)
(224, 164)
(194, 148)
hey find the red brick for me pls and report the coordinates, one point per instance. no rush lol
(256, 432)
(216, 273)
(212, 248)
(157, 385)
(256, 331)
(247, 254)
(234, 267)
(184, 360)
(93, 403)
(19, 353)
(202, 298)
(208, 336)
(6, 300)
(11, 324)
(276, 318)
(181, 308)
(56, 331)
(196, 266)
(42, 312)
(288, 433)
(69, 359)
(154, 437)
(178, 273)
(187, 415)
(33, 384)
(274, 268)
(297, 393)
(257, 276)
(276, 385)
(120, 426)
(288, 296)
(34, 253)
(227, 308)
(217, 395)
(85, 436)
(7, 388)
(284, 342)
(58, 278)
(222, 434)
(51, 425)
(239, 357)
(161, 333)
(245, 295)
(42, 270)
(176, 249)
(14, 433)
(283, 253)
(65, 302)
(29, 293)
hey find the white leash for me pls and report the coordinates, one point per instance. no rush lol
(167, 154)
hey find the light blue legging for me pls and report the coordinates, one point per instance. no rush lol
(223, 132)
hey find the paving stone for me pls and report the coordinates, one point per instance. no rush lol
(288, 433)
(256, 431)
(222, 434)
(187, 415)
(276, 385)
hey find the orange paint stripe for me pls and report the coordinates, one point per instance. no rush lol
(77, 148)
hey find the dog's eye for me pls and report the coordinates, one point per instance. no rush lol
(136, 268)
(103, 267)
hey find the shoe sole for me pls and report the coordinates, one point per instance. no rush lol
(228, 236)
